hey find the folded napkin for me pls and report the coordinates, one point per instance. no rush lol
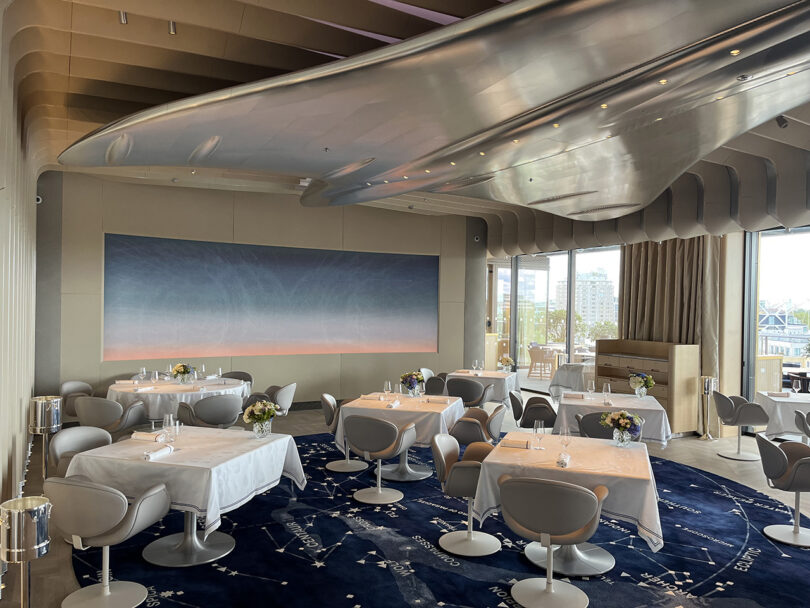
(140, 389)
(444, 400)
(563, 459)
(515, 443)
(573, 396)
(159, 453)
(462, 371)
(158, 435)
(608, 402)
(394, 403)
(210, 377)
(125, 382)
(778, 394)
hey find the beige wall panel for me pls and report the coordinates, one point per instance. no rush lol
(367, 229)
(279, 219)
(81, 337)
(314, 374)
(452, 260)
(82, 242)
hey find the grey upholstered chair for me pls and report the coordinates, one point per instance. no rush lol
(551, 513)
(435, 386)
(516, 401)
(331, 416)
(70, 391)
(216, 411)
(538, 408)
(787, 467)
(237, 375)
(468, 390)
(376, 439)
(68, 442)
(110, 415)
(253, 398)
(590, 425)
(282, 396)
(736, 411)
(476, 425)
(94, 515)
(442, 375)
(459, 478)
(426, 373)
(803, 424)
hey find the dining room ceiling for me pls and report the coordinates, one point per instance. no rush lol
(560, 124)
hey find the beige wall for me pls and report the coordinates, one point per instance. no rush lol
(91, 207)
(730, 342)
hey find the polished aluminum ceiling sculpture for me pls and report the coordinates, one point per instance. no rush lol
(586, 109)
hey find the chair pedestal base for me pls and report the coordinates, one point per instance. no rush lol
(373, 496)
(405, 471)
(122, 594)
(463, 543)
(746, 456)
(787, 534)
(584, 559)
(347, 466)
(187, 548)
(532, 592)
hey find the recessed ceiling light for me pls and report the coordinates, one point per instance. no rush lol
(663, 81)
(482, 153)
(385, 181)
(657, 119)
(452, 163)
(791, 73)
(603, 106)
(734, 52)
(427, 170)
(515, 141)
(368, 183)
(172, 28)
(404, 177)
(719, 97)
(194, 172)
(556, 125)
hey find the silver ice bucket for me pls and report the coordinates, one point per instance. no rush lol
(24, 528)
(45, 415)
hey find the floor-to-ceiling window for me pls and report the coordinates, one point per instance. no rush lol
(499, 313)
(596, 299)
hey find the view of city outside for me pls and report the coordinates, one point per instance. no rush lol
(596, 298)
(783, 316)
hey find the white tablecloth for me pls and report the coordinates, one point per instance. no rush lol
(626, 472)
(436, 415)
(504, 382)
(165, 396)
(656, 423)
(782, 411)
(211, 471)
(568, 376)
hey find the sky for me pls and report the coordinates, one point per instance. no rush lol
(781, 256)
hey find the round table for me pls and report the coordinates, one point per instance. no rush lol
(163, 397)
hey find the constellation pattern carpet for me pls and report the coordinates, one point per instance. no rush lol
(320, 548)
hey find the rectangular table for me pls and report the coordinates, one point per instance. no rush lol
(782, 411)
(211, 471)
(504, 382)
(656, 423)
(626, 472)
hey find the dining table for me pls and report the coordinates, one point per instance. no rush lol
(656, 427)
(430, 414)
(781, 408)
(625, 471)
(164, 396)
(208, 472)
(503, 382)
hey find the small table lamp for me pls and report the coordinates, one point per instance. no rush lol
(707, 384)
(24, 536)
(45, 417)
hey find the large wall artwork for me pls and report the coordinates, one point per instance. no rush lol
(167, 298)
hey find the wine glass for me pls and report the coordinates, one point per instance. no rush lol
(202, 370)
(399, 388)
(538, 426)
(387, 387)
(591, 386)
(168, 427)
(797, 386)
(153, 376)
(605, 392)
(219, 372)
(565, 438)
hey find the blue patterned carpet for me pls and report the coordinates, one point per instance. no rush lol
(320, 548)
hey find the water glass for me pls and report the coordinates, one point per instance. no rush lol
(605, 392)
(202, 370)
(591, 386)
(168, 427)
(153, 376)
(219, 372)
(538, 427)
(143, 372)
(399, 388)
(565, 438)
(387, 387)
(797, 386)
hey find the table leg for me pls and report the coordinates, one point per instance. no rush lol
(405, 471)
(187, 548)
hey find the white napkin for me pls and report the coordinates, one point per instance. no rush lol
(777, 394)
(573, 396)
(463, 371)
(159, 453)
(515, 443)
(140, 389)
(394, 403)
(210, 377)
(563, 459)
(148, 435)
(444, 400)
(125, 382)
(608, 402)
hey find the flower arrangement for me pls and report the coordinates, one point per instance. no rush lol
(622, 421)
(641, 380)
(411, 380)
(506, 361)
(182, 371)
(260, 411)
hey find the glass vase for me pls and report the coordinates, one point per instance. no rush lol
(414, 392)
(641, 392)
(622, 438)
(262, 429)
(184, 378)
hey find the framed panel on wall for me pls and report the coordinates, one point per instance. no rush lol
(167, 298)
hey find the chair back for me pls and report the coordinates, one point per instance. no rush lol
(774, 460)
(218, 409)
(253, 398)
(538, 408)
(75, 386)
(533, 506)
(426, 373)
(723, 405)
(284, 397)
(535, 354)
(435, 386)
(486, 396)
(801, 422)
(236, 375)
(84, 508)
(495, 422)
(366, 434)
(465, 388)
(517, 405)
(590, 425)
(329, 407)
(95, 411)
(270, 391)
(77, 439)
(445, 454)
